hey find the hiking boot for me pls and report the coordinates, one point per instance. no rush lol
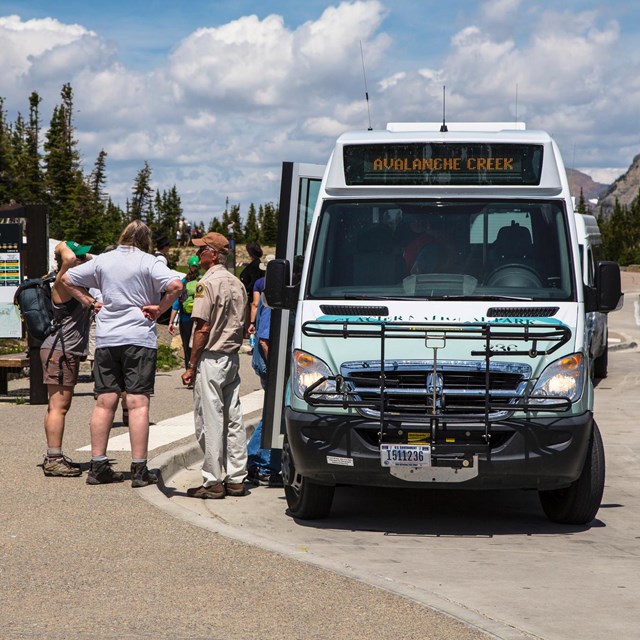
(141, 476)
(235, 489)
(102, 473)
(60, 466)
(214, 492)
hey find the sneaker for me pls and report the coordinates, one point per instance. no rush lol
(141, 476)
(102, 473)
(273, 480)
(235, 488)
(214, 492)
(253, 476)
(60, 466)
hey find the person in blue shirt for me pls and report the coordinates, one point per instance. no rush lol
(182, 307)
(263, 465)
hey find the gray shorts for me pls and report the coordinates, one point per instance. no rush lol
(125, 368)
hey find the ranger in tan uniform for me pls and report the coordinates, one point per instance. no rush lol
(218, 315)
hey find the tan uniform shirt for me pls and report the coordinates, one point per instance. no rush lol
(221, 300)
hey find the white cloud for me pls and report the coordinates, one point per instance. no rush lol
(231, 102)
(604, 175)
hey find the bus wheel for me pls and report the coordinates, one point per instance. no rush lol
(601, 365)
(580, 501)
(306, 500)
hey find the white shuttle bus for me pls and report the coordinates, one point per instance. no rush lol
(436, 335)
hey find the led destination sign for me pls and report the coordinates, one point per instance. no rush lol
(442, 164)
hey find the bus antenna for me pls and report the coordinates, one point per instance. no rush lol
(443, 128)
(366, 91)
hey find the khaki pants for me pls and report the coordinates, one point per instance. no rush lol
(218, 418)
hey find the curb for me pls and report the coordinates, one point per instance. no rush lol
(181, 458)
(623, 346)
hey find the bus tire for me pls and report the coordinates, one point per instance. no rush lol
(601, 364)
(306, 499)
(579, 502)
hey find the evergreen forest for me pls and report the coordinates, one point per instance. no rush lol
(620, 230)
(48, 169)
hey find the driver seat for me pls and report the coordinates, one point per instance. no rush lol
(512, 246)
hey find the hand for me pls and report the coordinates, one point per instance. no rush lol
(251, 328)
(188, 377)
(172, 328)
(97, 305)
(151, 311)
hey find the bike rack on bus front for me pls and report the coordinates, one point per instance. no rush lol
(537, 339)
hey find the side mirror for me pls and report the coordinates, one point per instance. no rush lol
(608, 287)
(277, 290)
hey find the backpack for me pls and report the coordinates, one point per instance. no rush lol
(188, 296)
(33, 298)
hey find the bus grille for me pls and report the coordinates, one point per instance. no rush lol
(457, 388)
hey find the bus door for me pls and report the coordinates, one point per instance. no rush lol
(299, 190)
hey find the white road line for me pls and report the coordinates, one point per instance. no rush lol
(174, 429)
(636, 310)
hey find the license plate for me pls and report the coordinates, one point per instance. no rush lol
(405, 455)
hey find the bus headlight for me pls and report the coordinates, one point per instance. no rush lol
(308, 369)
(562, 378)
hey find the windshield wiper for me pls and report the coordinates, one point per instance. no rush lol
(491, 298)
(363, 297)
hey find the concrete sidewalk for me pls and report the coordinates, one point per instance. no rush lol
(79, 562)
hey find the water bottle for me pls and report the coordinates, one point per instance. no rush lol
(252, 341)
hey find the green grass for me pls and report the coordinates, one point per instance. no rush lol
(12, 346)
(167, 358)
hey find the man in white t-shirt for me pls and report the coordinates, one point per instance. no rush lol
(131, 281)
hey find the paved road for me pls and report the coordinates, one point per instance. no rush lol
(80, 562)
(491, 559)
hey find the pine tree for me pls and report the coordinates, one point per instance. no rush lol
(6, 159)
(251, 229)
(62, 163)
(98, 177)
(234, 217)
(33, 168)
(169, 213)
(269, 230)
(216, 225)
(141, 206)
(581, 207)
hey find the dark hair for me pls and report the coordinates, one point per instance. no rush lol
(255, 250)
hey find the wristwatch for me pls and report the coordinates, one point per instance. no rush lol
(190, 366)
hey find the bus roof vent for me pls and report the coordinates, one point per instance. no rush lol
(398, 127)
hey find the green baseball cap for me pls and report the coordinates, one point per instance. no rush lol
(193, 261)
(79, 249)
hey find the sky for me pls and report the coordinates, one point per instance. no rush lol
(216, 94)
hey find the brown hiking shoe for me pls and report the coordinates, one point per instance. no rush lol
(102, 473)
(235, 488)
(60, 466)
(214, 492)
(141, 476)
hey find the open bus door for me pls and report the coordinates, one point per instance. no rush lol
(299, 190)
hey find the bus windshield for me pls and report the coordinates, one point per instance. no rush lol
(472, 249)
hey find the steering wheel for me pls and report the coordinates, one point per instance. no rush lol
(514, 275)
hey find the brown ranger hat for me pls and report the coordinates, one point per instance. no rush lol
(214, 240)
